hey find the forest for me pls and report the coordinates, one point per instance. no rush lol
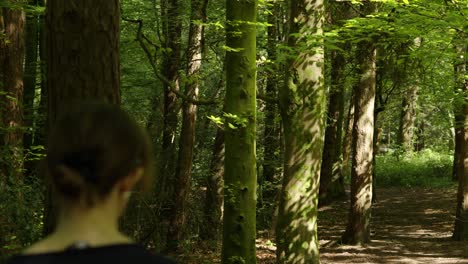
(288, 132)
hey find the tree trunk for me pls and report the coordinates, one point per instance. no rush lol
(187, 134)
(460, 232)
(358, 227)
(172, 30)
(11, 81)
(83, 60)
(331, 180)
(240, 176)
(271, 134)
(302, 104)
(30, 74)
(214, 191)
(408, 117)
(348, 137)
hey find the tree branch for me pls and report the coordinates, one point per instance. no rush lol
(141, 38)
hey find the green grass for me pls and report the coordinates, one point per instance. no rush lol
(419, 169)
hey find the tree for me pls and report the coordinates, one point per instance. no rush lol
(302, 106)
(189, 114)
(30, 76)
(171, 30)
(214, 192)
(271, 133)
(460, 232)
(358, 227)
(11, 88)
(83, 60)
(331, 177)
(240, 176)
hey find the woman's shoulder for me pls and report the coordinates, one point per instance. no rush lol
(115, 254)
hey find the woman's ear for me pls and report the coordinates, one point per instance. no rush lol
(127, 183)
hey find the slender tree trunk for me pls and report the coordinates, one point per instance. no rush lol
(187, 135)
(348, 137)
(460, 232)
(240, 176)
(358, 227)
(302, 104)
(214, 192)
(271, 134)
(11, 78)
(83, 60)
(41, 126)
(30, 76)
(331, 180)
(172, 30)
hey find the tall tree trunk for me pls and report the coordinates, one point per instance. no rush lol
(460, 232)
(214, 191)
(408, 117)
(271, 134)
(83, 60)
(358, 227)
(240, 175)
(11, 81)
(187, 134)
(331, 180)
(30, 74)
(302, 104)
(172, 30)
(331, 174)
(348, 137)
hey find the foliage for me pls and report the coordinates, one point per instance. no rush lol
(425, 169)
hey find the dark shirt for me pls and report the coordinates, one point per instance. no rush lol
(114, 254)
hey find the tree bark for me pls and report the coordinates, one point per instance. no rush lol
(240, 176)
(82, 60)
(11, 91)
(358, 227)
(302, 105)
(214, 192)
(189, 116)
(460, 232)
(408, 117)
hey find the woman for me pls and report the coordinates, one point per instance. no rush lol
(96, 155)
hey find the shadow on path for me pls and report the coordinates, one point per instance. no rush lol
(409, 225)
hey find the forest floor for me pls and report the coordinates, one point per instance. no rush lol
(409, 225)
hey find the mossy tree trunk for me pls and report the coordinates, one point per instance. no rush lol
(358, 227)
(461, 70)
(302, 105)
(240, 177)
(82, 47)
(189, 116)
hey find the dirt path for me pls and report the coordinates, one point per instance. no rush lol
(408, 226)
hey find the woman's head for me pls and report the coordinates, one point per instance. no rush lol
(93, 147)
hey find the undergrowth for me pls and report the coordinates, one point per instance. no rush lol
(426, 168)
